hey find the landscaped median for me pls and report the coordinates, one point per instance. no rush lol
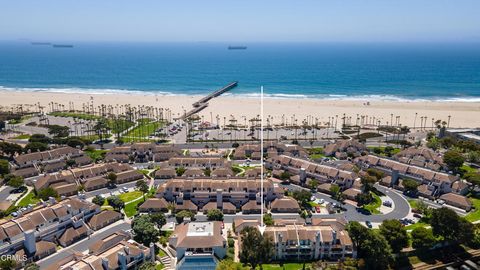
(374, 205)
(30, 198)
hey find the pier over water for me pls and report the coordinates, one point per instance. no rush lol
(203, 103)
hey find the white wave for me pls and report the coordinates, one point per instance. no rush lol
(106, 91)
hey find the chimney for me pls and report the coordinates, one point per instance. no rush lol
(52, 200)
(219, 198)
(395, 177)
(29, 242)
(152, 252)
(105, 263)
(127, 250)
(122, 261)
(303, 175)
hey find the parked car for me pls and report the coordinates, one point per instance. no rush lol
(417, 215)
(369, 224)
(387, 203)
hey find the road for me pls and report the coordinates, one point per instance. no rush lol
(82, 245)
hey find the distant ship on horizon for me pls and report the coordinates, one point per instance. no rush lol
(237, 47)
(40, 43)
(62, 46)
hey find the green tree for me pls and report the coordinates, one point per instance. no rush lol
(228, 264)
(180, 171)
(147, 265)
(367, 182)
(7, 264)
(207, 171)
(112, 179)
(98, 200)
(4, 167)
(364, 198)
(144, 229)
(313, 184)
(115, 202)
(180, 216)
(58, 131)
(31, 266)
(46, 193)
(159, 219)
(357, 232)
(215, 214)
(256, 249)
(10, 148)
(42, 138)
(453, 159)
(14, 181)
(285, 176)
(302, 197)
(268, 219)
(422, 238)
(75, 142)
(142, 186)
(376, 251)
(336, 193)
(410, 185)
(35, 147)
(447, 224)
(395, 234)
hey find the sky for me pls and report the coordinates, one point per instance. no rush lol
(241, 20)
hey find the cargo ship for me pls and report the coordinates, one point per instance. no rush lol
(62, 46)
(40, 43)
(237, 47)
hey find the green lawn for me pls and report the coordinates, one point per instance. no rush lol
(118, 125)
(286, 266)
(468, 169)
(161, 253)
(159, 266)
(29, 199)
(474, 215)
(373, 206)
(96, 154)
(22, 137)
(416, 225)
(142, 131)
(316, 156)
(130, 196)
(413, 203)
(131, 208)
(78, 115)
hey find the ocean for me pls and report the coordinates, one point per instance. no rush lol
(449, 72)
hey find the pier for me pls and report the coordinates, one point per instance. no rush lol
(217, 93)
(203, 103)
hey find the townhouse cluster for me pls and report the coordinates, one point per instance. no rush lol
(320, 239)
(35, 233)
(33, 164)
(115, 251)
(194, 190)
(142, 153)
(432, 183)
(270, 149)
(91, 177)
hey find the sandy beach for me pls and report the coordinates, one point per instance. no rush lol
(463, 114)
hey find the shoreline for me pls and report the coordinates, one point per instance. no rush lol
(165, 93)
(463, 114)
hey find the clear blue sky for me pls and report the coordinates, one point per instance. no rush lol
(242, 20)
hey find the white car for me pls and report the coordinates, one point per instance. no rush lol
(322, 201)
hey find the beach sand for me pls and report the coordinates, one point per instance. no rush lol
(463, 114)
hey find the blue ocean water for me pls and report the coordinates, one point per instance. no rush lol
(386, 71)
